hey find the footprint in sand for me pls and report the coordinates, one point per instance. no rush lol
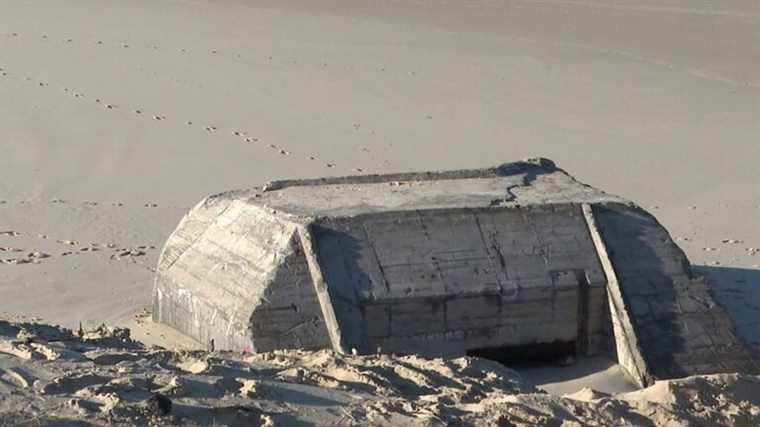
(127, 252)
(10, 233)
(159, 118)
(32, 257)
(249, 139)
(38, 255)
(210, 128)
(15, 261)
(74, 382)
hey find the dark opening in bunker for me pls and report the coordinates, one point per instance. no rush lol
(557, 352)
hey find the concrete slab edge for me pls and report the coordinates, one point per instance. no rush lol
(630, 356)
(320, 285)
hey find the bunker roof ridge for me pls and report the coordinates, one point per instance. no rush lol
(505, 169)
(530, 182)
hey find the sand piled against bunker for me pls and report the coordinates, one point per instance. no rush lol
(518, 260)
(50, 375)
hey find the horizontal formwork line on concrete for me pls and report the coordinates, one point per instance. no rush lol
(396, 216)
(497, 296)
(550, 331)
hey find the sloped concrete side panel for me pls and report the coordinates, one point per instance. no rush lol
(629, 353)
(335, 251)
(447, 281)
(290, 315)
(215, 269)
(680, 329)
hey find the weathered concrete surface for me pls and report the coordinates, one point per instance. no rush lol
(629, 353)
(232, 272)
(680, 329)
(445, 281)
(441, 263)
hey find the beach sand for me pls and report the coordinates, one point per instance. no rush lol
(117, 117)
(51, 376)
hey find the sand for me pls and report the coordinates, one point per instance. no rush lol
(116, 117)
(53, 376)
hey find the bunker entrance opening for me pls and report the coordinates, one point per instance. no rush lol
(553, 353)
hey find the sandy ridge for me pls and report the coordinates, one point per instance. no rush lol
(102, 377)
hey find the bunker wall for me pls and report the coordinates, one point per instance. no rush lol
(290, 315)
(448, 281)
(223, 260)
(679, 327)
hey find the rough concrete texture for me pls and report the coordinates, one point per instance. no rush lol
(442, 263)
(679, 328)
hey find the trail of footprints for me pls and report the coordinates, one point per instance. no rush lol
(242, 136)
(14, 255)
(70, 248)
(235, 57)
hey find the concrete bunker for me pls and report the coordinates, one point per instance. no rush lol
(518, 258)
